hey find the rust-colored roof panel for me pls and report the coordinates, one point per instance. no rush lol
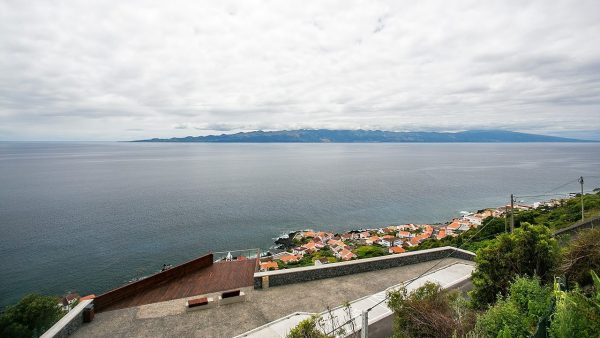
(219, 276)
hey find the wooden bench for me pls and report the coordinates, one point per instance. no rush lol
(199, 303)
(230, 297)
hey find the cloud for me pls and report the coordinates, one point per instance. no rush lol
(103, 70)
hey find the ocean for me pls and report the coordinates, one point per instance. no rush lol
(88, 217)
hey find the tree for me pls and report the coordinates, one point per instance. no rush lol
(529, 250)
(581, 255)
(33, 315)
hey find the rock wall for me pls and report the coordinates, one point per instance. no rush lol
(298, 275)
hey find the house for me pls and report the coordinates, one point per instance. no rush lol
(337, 248)
(441, 234)
(428, 229)
(289, 258)
(324, 236)
(266, 266)
(321, 261)
(335, 242)
(473, 219)
(364, 235)
(300, 251)
(308, 234)
(418, 239)
(313, 246)
(453, 226)
(408, 227)
(68, 300)
(389, 242)
(345, 255)
(404, 234)
(347, 236)
(372, 240)
(396, 250)
(465, 226)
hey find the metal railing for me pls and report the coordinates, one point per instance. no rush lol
(233, 255)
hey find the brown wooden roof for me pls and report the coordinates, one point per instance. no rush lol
(220, 276)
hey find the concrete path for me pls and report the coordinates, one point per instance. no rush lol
(334, 319)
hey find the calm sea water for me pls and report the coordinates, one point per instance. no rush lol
(90, 216)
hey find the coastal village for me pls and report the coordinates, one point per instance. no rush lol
(309, 247)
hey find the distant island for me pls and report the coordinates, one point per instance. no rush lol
(366, 136)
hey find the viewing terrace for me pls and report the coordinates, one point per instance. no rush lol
(262, 306)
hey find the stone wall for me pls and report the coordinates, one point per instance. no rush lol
(587, 224)
(298, 275)
(69, 323)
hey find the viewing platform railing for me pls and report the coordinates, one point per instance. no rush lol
(233, 255)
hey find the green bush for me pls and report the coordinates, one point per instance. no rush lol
(367, 251)
(576, 315)
(430, 311)
(518, 313)
(32, 316)
(529, 250)
(502, 319)
(307, 329)
(581, 256)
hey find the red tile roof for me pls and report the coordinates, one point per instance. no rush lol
(289, 258)
(396, 250)
(269, 265)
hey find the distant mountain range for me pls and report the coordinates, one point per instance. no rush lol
(366, 136)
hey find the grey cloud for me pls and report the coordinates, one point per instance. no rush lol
(117, 70)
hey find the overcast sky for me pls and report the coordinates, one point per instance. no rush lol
(122, 70)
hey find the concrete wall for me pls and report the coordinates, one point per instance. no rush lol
(297, 275)
(69, 323)
(587, 224)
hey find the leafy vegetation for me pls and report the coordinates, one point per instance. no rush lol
(514, 276)
(430, 311)
(581, 256)
(307, 329)
(518, 313)
(576, 314)
(529, 250)
(561, 216)
(367, 251)
(31, 317)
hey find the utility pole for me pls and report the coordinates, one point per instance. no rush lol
(364, 331)
(581, 182)
(512, 213)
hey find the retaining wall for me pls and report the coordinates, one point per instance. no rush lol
(69, 323)
(587, 224)
(304, 274)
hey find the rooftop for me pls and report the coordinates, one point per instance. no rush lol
(263, 306)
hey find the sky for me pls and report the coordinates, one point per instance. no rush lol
(125, 70)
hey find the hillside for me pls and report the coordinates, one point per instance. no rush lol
(366, 136)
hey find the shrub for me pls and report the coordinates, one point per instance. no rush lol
(307, 329)
(518, 313)
(581, 255)
(576, 315)
(368, 251)
(430, 311)
(529, 250)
